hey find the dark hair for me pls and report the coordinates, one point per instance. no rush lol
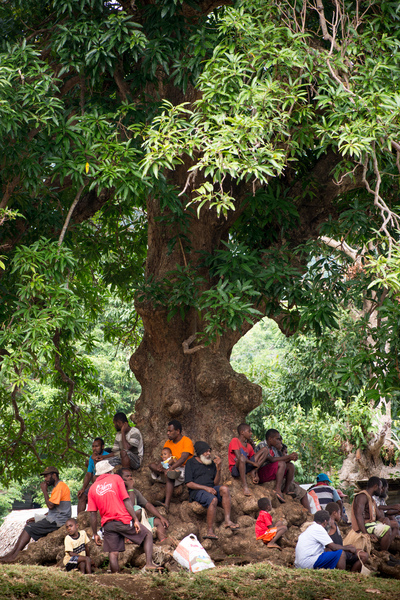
(264, 503)
(321, 516)
(373, 481)
(242, 427)
(269, 433)
(332, 507)
(120, 417)
(385, 483)
(121, 469)
(99, 440)
(176, 424)
(71, 519)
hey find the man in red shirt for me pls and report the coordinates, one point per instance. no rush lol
(108, 495)
(242, 458)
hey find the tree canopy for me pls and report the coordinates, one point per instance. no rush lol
(188, 156)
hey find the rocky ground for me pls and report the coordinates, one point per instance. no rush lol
(232, 547)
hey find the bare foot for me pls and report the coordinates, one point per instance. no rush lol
(247, 492)
(232, 525)
(256, 478)
(273, 545)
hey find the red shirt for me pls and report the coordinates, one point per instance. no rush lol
(107, 495)
(236, 444)
(264, 521)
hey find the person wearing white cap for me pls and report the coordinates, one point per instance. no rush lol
(108, 495)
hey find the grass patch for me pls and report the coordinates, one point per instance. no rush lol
(270, 582)
(20, 582)
(261, 581)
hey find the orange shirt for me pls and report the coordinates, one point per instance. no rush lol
(184, 445)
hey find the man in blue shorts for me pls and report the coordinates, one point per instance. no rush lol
(202, 476)
(310, 548)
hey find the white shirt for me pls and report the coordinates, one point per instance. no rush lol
(310, 545)
(134, 439)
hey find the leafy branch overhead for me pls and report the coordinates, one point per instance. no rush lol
(181, 160)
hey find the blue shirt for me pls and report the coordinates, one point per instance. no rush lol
(91, 466)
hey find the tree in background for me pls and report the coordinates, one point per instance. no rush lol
(181, 154)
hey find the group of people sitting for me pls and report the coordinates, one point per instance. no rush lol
(127, 515)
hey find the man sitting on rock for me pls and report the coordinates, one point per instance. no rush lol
(310, 547)
(242, 459)
(128, 445)
(354, 560)
(182, 448)
(118, 518)
(325, 493)
(368, 522)
(59, 505)
(278, 466)
(202, 476)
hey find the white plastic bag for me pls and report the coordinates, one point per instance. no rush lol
(191, 555)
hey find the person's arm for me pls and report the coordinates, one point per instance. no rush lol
(217, 478)
(99, 457)
(124, 430)
(359, 506)
(288, 458)
(334, 547)
(49, 504)
(131, 511)
(237, 455)
(196, 486)
(153, 511)
(180, 462)
(86, 480)
(93, 525)
(392, 509)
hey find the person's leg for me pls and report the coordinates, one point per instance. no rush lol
(279, 478)
(226, 505)
(356, 567)
(20, 545)
(342, 562)
(88, 564)
(125, 461)
(82, 503)
(241, 467)
(305, 502)
(281, 529)
(114, 566)
(161, 531)
(386, 540)
(261, 456)
(169, 488)
(148, 550)
(82, 564)
(211, 512)
(289, 476)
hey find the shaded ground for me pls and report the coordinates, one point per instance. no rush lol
(261, 581)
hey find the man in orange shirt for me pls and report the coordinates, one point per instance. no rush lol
(59, 505)
(182, 448)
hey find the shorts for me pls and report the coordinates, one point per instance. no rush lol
(351, 559)
(328, 560)
(134, 460)
(268, 472)
(41, 528)
(268, 535)
(72, 563)
(115, 533)
(162, 477)
(235, 470)
(377, 528)
(205, 498)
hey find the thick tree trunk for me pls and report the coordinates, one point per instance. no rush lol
(200, 388)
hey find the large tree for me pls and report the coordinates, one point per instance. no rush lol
(183, 155)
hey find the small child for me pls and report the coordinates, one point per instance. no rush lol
(265, 529)
(167, 460)
(77, 554)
